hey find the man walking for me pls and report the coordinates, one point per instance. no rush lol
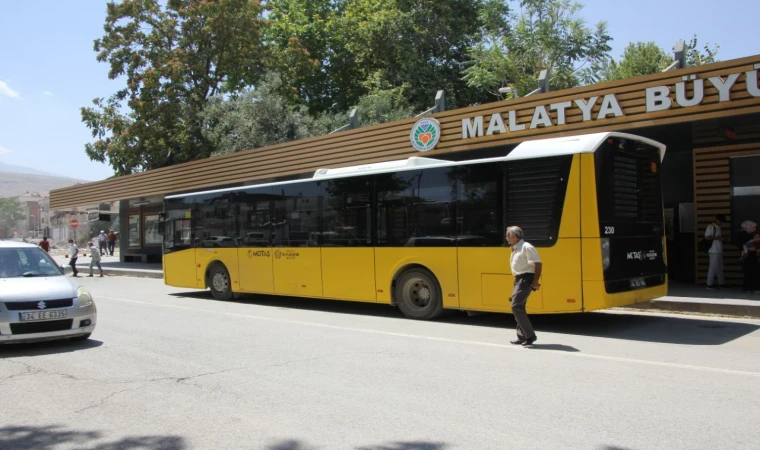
(526, 268)
(715, 270)
(74, 252)
(95, 260)
(45, 244)
(111, 242)
(102, 242)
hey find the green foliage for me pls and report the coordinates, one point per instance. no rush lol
(640, 58)
(174, 56)
(697, 57)
(206, 77)
(257, 118)
(546, 34)
(644, 58)
(10, 212)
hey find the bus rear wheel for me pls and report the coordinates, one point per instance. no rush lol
(418, 295)
(219, 282)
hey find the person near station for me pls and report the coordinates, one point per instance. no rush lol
(102, 238)
(715, 270)
(526, 267)
(111, 242)
(95, 259)
(751, 265)
(45, 244)
(74, 252)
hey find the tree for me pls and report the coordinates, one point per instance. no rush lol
(644, 58)
(640, 58)
(327, 50)
(256, 118)
(11, 212)
(174, 56)
(547, 34)
(696, 57)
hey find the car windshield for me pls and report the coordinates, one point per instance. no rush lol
(26, 262)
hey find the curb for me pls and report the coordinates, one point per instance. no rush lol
(119, 272)
(724, 309)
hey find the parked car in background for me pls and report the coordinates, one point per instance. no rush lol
(37, 301)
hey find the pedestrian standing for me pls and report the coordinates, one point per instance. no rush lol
(45, 244)
(95, 259)
(102, 242)
(526, 267)
(714, 233)
(74, 252)
(111, 242)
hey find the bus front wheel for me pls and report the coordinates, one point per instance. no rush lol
(219, 282)
(418, 295)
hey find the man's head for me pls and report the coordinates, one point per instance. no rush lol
(44, 238)
(514, 235)
(102, 232)
(719, 219)
(71, 241)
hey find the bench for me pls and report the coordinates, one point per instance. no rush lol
(135, 257)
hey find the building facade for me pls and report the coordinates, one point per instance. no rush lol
(708, 116)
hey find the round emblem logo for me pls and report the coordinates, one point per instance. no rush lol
(425, 134)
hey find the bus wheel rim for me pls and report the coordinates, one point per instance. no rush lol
(220, 282)
(418, 292)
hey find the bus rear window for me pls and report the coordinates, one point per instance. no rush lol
(628, 182)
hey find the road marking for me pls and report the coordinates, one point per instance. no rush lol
(441, 339)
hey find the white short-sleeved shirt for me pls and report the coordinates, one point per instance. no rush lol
(717, 246)
(524, 258)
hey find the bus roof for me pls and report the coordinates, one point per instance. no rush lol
(540, 148)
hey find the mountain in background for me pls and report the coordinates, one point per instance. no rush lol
(19, 180)
(21, 169)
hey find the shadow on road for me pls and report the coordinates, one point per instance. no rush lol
(671, 329)
(292, 444)
(54, 436)
(46, 348)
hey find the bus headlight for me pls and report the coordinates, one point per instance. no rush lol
(605, 253)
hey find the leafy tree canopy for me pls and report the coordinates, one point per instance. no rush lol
(173, 56)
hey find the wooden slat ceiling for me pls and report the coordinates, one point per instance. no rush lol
(391, 141)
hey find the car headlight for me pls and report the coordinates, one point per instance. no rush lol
(605, 253)
(84, 297)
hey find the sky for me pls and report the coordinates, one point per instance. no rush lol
(48, 69)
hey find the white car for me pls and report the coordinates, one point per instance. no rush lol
(37, 301)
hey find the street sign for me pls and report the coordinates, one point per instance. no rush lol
(74, 223)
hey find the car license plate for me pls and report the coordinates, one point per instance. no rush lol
(42, 315)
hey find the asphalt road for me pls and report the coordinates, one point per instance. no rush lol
(170, 368)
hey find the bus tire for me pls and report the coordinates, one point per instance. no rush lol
(418, 294)
(219, 282)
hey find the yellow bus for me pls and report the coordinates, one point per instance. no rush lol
(428, 234)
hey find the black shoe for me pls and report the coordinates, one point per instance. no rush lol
(529, 342)
(517, 342)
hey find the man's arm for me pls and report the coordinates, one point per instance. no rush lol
(539, 267)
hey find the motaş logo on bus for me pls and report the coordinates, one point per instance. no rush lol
(650, 255)
(425, 134)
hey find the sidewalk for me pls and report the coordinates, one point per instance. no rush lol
(698, 299)
(113, 267)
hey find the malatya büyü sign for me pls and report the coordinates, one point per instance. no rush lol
(657, 99)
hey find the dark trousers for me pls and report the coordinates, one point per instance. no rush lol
(102, 247)
(73, 264)
(520, 295)
(111, 245)
(751, 272)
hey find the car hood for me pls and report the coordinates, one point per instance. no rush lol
(36, 288)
